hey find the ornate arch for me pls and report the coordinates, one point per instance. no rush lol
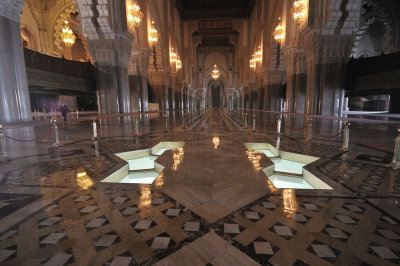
(28, 35)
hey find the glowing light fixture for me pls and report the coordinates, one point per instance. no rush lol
(172, 56)
(178, 64)
(215, 141)
(279, 32)
(153, 34)
(258, 56)
(252, 62)
(299, 10)
(135, 16)
(67, 35)
(215, 72)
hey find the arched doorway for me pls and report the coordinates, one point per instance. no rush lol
(215, 95)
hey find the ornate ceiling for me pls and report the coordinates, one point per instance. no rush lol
(206, 9)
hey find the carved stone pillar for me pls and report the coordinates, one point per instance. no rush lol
(14, 95)
(274, 91)
(289, 59)
(111, 59)
(137, 69)
(300, 84)
(326, 63)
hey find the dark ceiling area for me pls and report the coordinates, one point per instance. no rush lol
(213, 9)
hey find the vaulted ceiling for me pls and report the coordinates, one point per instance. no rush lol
(213, 9)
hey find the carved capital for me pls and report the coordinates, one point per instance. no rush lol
(111, 52)
(139, 62)
(11, 9)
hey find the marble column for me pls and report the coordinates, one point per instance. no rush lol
(290, 60)
(332, 86)
(111, 58)
(290, 90)
(165, 101)
(123, 90)
(134, 87)
(14, 95)
(394, 105)
(144, 93)
(300, 93)
(107, 86)
(274, 91)
(313, 87)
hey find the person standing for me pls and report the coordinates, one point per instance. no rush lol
(64, 111)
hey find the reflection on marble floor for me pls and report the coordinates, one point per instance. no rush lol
(212, 204)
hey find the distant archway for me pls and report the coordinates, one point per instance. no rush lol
(216, 95)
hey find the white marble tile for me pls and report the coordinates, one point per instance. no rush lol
(345, 219)
(252, 215)
(157, 201)
(82, 198)
(389, 234)
(8, 234)
(105, 241)
(121, 261)
(269, 205)
(160, 243)
(192, 226)
(173, 212)
(311, 206)
(120, 199)
(231, 229)
(336, 233)
(51, 207)
(50, 221)
(283, 230)
(323, 251)
(384, 252)
(130, 210)
(89, 209)
(52, 238)
(388, 219)
(353, 208)
(3, 204)
(143, 224)
(58, 259)
(96, 222)
(298, 217)
(5, 253)
(263, 248)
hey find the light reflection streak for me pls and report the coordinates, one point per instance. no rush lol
(215, 141)
(83, 180)
(290, 204)
(254, 157)
(178, 158)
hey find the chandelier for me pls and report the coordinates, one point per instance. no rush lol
(279, 32)
(178, 64)
(172, 56)
(215, 72)
(153, 34)
(252, 62)
(67, 35)
(258, 57)
(135, 16)
(299, 11)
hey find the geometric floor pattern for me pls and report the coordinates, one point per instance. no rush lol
(60, 221)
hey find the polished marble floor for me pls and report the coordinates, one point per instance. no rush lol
(209, 206)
